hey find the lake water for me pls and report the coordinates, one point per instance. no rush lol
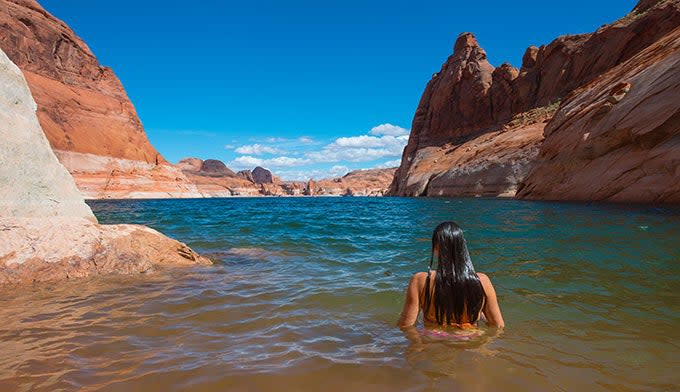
(307, 291)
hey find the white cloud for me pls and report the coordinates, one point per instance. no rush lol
(249, 162)
(362, 148)
(307, 157)
(257, 149)
(306, 140)
(388, 129)
(302, 175)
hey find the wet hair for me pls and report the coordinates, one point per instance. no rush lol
(458, 292)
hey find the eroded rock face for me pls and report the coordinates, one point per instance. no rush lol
(469, 97)
(492, 164)
(246, 174)
(47, 232)
(190, 165)
(83, 108)
(102, 177)
(371, 182)
(617, 138)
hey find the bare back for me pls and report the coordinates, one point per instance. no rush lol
(415, 302)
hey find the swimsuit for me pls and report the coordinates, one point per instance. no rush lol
(462, 332)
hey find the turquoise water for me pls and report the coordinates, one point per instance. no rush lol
(307, 291)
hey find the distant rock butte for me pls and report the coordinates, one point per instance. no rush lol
(261, 182)
(215, 167)
(47, 232)
(84, 110)
(212, 178)
(262, 176)
(478, 130)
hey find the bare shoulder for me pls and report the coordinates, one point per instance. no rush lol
(484, 278)
(419, 277)
(486, 284)
(418, 280)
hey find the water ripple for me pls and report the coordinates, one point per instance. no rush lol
(307, 291)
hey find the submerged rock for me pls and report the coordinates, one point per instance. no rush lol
(41, 250)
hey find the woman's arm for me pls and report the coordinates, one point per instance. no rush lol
(492, 311)
(409, 314)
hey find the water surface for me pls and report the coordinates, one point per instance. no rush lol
(307, 291)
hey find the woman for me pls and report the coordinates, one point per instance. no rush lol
(453, 295)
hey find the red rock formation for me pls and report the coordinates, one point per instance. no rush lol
(83, 109)
(492, 164)
(190, 164)
(262, 176)
(213, 167)
(212, 178)
(246, 174)
(371, 182)
(69, 248)
(469, 98)
(618, 137)
(261, 182)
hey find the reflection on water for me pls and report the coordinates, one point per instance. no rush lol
(307, 293)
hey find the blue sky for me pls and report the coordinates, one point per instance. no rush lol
(305, 88)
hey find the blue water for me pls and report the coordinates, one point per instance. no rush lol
(306, 293)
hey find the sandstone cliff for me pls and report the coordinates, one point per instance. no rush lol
(478, 129)
(84, 110)
(47, 232)
(617, 138)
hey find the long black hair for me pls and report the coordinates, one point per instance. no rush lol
(457, 289)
